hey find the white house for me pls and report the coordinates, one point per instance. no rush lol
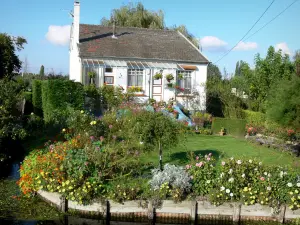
(132, 56)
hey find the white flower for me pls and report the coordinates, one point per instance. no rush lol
(269, 188)
(285, 173)
(281, 174)
(298, 184)
(255, 169)
(231, 158)
(231, 179)
(290, 185)
(227, 191)
(141, 142)
(231, 194)
(222, 188)
(208, 181)
(250, 161)
(239, 162)
(265, 173)
(230, 171)
(243, 175)
(269, 175)
(222, 174)
(259, 163)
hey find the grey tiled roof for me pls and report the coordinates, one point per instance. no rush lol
(96, 42)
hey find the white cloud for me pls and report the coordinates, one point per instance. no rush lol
(245, 46)
(58, 35)
(284, 48)
(211, 43)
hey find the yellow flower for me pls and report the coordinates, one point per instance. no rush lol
(81, 111)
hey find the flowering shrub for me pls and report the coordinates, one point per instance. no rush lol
(172, 181)
(251, 131)
(203, 173)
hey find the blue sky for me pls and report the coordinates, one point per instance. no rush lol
(219, 24)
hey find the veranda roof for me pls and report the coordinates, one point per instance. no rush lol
(131, 64)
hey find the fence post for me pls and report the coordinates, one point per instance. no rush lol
(194, 209)
(236, 213)
(281, 215)
(107, 217)
(151, 213)
(63, 204)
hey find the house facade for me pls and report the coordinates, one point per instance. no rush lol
(132, 57)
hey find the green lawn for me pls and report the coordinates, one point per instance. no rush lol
(223, 147)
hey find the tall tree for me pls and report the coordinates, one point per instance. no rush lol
(10, 63)
(237, 68)
(42, 70)
(213, 72)
(135, 16)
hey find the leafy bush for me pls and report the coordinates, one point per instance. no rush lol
(37, 97)
(172, 181)
(57, 95)
(256, 119)
(284, 103)
(232, 126)
(203, 173)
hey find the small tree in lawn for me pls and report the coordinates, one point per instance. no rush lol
(159, 130)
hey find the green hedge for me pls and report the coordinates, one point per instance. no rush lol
(234, 127)
(37, 97)
(257, 119)
(57, 95)
(28, 96)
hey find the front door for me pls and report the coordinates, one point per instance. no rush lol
(157, 90)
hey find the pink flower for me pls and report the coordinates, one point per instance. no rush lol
(262, 178)
(197, 158)
(188, 167)
(208, 158)
(199, 164)
(110, 126)
(210, 154)
(101, 138)
(92, 138)
(223, 163)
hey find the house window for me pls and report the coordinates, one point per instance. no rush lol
(86, 79)
(186, 81)
(108, 70)
(135, 77)
(108, 79)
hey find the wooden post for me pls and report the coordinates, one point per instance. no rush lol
(107, 217)
(194, 209)
(281, 215)
(63, 204)
(160, 156)
(236, 213)
(151, 213)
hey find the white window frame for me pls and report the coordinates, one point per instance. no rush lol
(135, 73)
(183, 83)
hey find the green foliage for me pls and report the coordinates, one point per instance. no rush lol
(284, 103)
(169, 77)
(111, 96)
(256, 119)
(157, 76)
(9, 61)
(37, 97)
(11, 125)
(203, 173)
(42, 71)
(233, 126)
(27, 96)
(57, 95)
(135, 16)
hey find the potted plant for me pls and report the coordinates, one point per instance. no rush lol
(169, 77)
(180, 76)
(223, 131)
(170, 85)
(92, 75)
(157, 76)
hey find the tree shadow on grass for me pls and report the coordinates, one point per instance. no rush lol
(183, 157)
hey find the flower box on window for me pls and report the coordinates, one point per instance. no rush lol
(135, 90)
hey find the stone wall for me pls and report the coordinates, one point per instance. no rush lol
(169, 212)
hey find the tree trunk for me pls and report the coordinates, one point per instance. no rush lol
(160, 156)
